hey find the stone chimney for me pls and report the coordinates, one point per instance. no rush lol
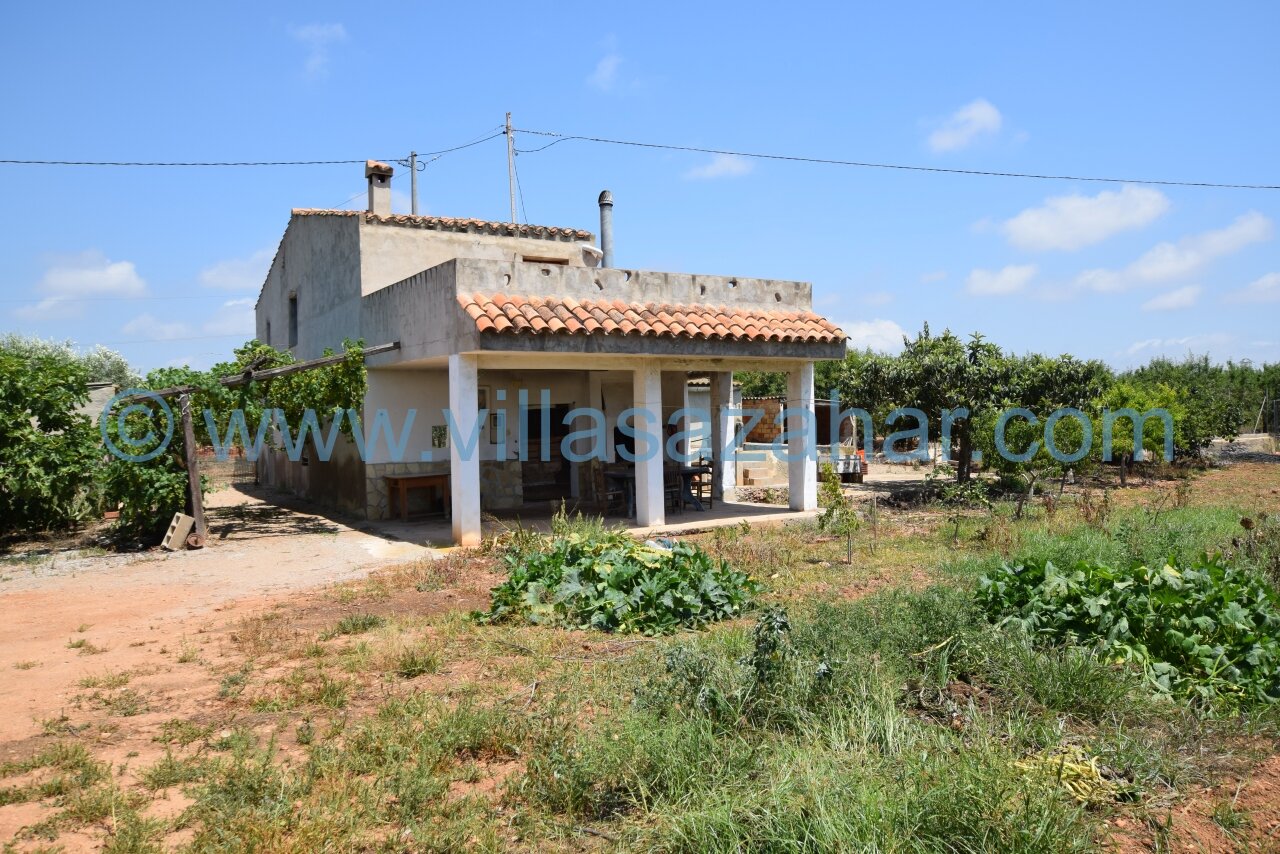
(379, 175)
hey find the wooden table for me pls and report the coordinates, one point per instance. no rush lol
(400, 485)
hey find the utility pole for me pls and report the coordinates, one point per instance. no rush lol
(511, 168)
(201, 531)
(413, 182)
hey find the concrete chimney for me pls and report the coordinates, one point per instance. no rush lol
(606, 228)
(379, 175)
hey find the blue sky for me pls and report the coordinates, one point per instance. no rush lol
(164, 264)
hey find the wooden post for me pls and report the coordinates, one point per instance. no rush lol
(200, 533)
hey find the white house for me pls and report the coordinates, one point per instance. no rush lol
(489, 314)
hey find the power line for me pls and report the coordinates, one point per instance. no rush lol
(436, 155)
(179, 163)
(559, 138)
(219, 163)
(239, 335)
(60, 298)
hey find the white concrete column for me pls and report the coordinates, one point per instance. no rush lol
(724, 465)
(587, 446)
(464, 462)
(647, 395)
(802, 464)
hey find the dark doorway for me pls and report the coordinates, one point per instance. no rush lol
(546, 479)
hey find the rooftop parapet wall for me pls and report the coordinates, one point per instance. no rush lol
(425, 314)
(633, 286)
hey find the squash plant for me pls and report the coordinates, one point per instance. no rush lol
(1208, 632)
(612, 582)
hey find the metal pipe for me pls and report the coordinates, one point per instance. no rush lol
(413, 175)
(606, 228)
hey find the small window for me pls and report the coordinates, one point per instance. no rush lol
(293, 320)
(268, 338)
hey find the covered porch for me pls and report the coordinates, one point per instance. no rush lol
(609, 435)
(592, 434)
(545, 377)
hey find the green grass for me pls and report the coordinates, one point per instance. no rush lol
(107, 680)
(417, 661)
(170, 770)
(843, 762)
(394, 767)
(1128, 535)
(866, 707)
(85, 647)
(355, 624)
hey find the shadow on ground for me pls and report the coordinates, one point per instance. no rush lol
(251, 521)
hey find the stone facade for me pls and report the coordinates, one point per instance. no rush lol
(377, 502)
(501, 485)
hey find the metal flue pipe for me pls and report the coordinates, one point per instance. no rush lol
(606, 228)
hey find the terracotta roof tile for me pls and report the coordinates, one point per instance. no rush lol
(500, 313)
(462, 224)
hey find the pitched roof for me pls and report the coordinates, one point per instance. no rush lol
(445, 223)
(531, 315)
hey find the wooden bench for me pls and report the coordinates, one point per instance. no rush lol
(399, 486)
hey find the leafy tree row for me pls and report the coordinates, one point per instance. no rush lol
(937, 373)
(55, 471)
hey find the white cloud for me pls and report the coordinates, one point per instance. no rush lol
(1008, 280)
(93, 274)
(318, 38)
(721, 166)
(1170, 260)
(238, 274)
(883, 336)
(1174, 300)
(1072, 222)
(148, 327)
(966, 125)
(935, 276)
(233, 319)
(51, 308)
(605, 75)
(1265, 289)
(875, 298)
(1167, 261)
(1188, 343)
(87, 275)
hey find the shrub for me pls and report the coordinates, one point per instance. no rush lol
(147, 493)
(1207, 631)
(611, 582)
(48, 450)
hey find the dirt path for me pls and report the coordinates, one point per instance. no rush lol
(64, 622)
